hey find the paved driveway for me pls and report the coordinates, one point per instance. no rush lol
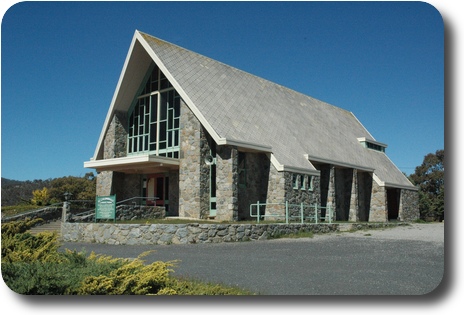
(398, 261)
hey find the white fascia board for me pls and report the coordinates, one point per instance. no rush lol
(245, 145)
(393, 185)
(336, 163)
(279, 167)
(130, 160)
(377, 180)
(178, 88)
(116, 92)
(284, 168)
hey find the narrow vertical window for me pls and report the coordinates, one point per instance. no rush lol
(302, 182)
(242, 172)
(310, 183)
(295, 181)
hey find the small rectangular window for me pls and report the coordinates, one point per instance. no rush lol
(295, 181)
(302, 182)
(310, 183)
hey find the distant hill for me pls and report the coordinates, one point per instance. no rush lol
(8, 182)
(16, 191)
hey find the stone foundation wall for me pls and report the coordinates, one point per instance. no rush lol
(165, 234)
(193, 233)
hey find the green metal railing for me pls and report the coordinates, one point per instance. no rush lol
(300, 211)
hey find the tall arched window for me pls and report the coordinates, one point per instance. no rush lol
(154, 118)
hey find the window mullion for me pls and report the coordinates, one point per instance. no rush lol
(158, 123)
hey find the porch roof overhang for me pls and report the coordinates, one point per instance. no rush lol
(138, 164)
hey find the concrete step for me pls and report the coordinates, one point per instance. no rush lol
(54, 226)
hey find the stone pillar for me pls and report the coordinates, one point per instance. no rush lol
(190, 164)
(409, 205)
(227, 183)
(66, 209)
(114, 146)
(354, 215)
(115, 142)
(275, 194)
(104, 183)
(331, 194)
(379, 210)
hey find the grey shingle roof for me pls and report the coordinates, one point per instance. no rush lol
(241, 106)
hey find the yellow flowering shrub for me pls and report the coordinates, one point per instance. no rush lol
(133, 277)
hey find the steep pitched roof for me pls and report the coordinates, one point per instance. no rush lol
(242, 109)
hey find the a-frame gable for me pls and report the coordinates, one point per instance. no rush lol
(240, 109)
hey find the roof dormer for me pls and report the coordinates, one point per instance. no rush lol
(372, 144)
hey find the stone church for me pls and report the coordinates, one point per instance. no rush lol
(206, 140)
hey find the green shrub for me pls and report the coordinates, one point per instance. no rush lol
(185, 286)
(32, 265)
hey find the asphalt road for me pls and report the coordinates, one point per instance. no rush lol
(397, 261)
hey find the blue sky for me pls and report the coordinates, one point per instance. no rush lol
(61, 61)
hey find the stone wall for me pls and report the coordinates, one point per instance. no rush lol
(364, 180)
(297, 196)
(127, 212)
(173, 194)
(253, 181)
(343, 185)
(409, 205)
(165, 234)
(48, 214)
(114, 146)
(115, 142)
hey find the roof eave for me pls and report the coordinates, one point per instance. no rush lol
(286, 168)
(338, 163)
(247, 146)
